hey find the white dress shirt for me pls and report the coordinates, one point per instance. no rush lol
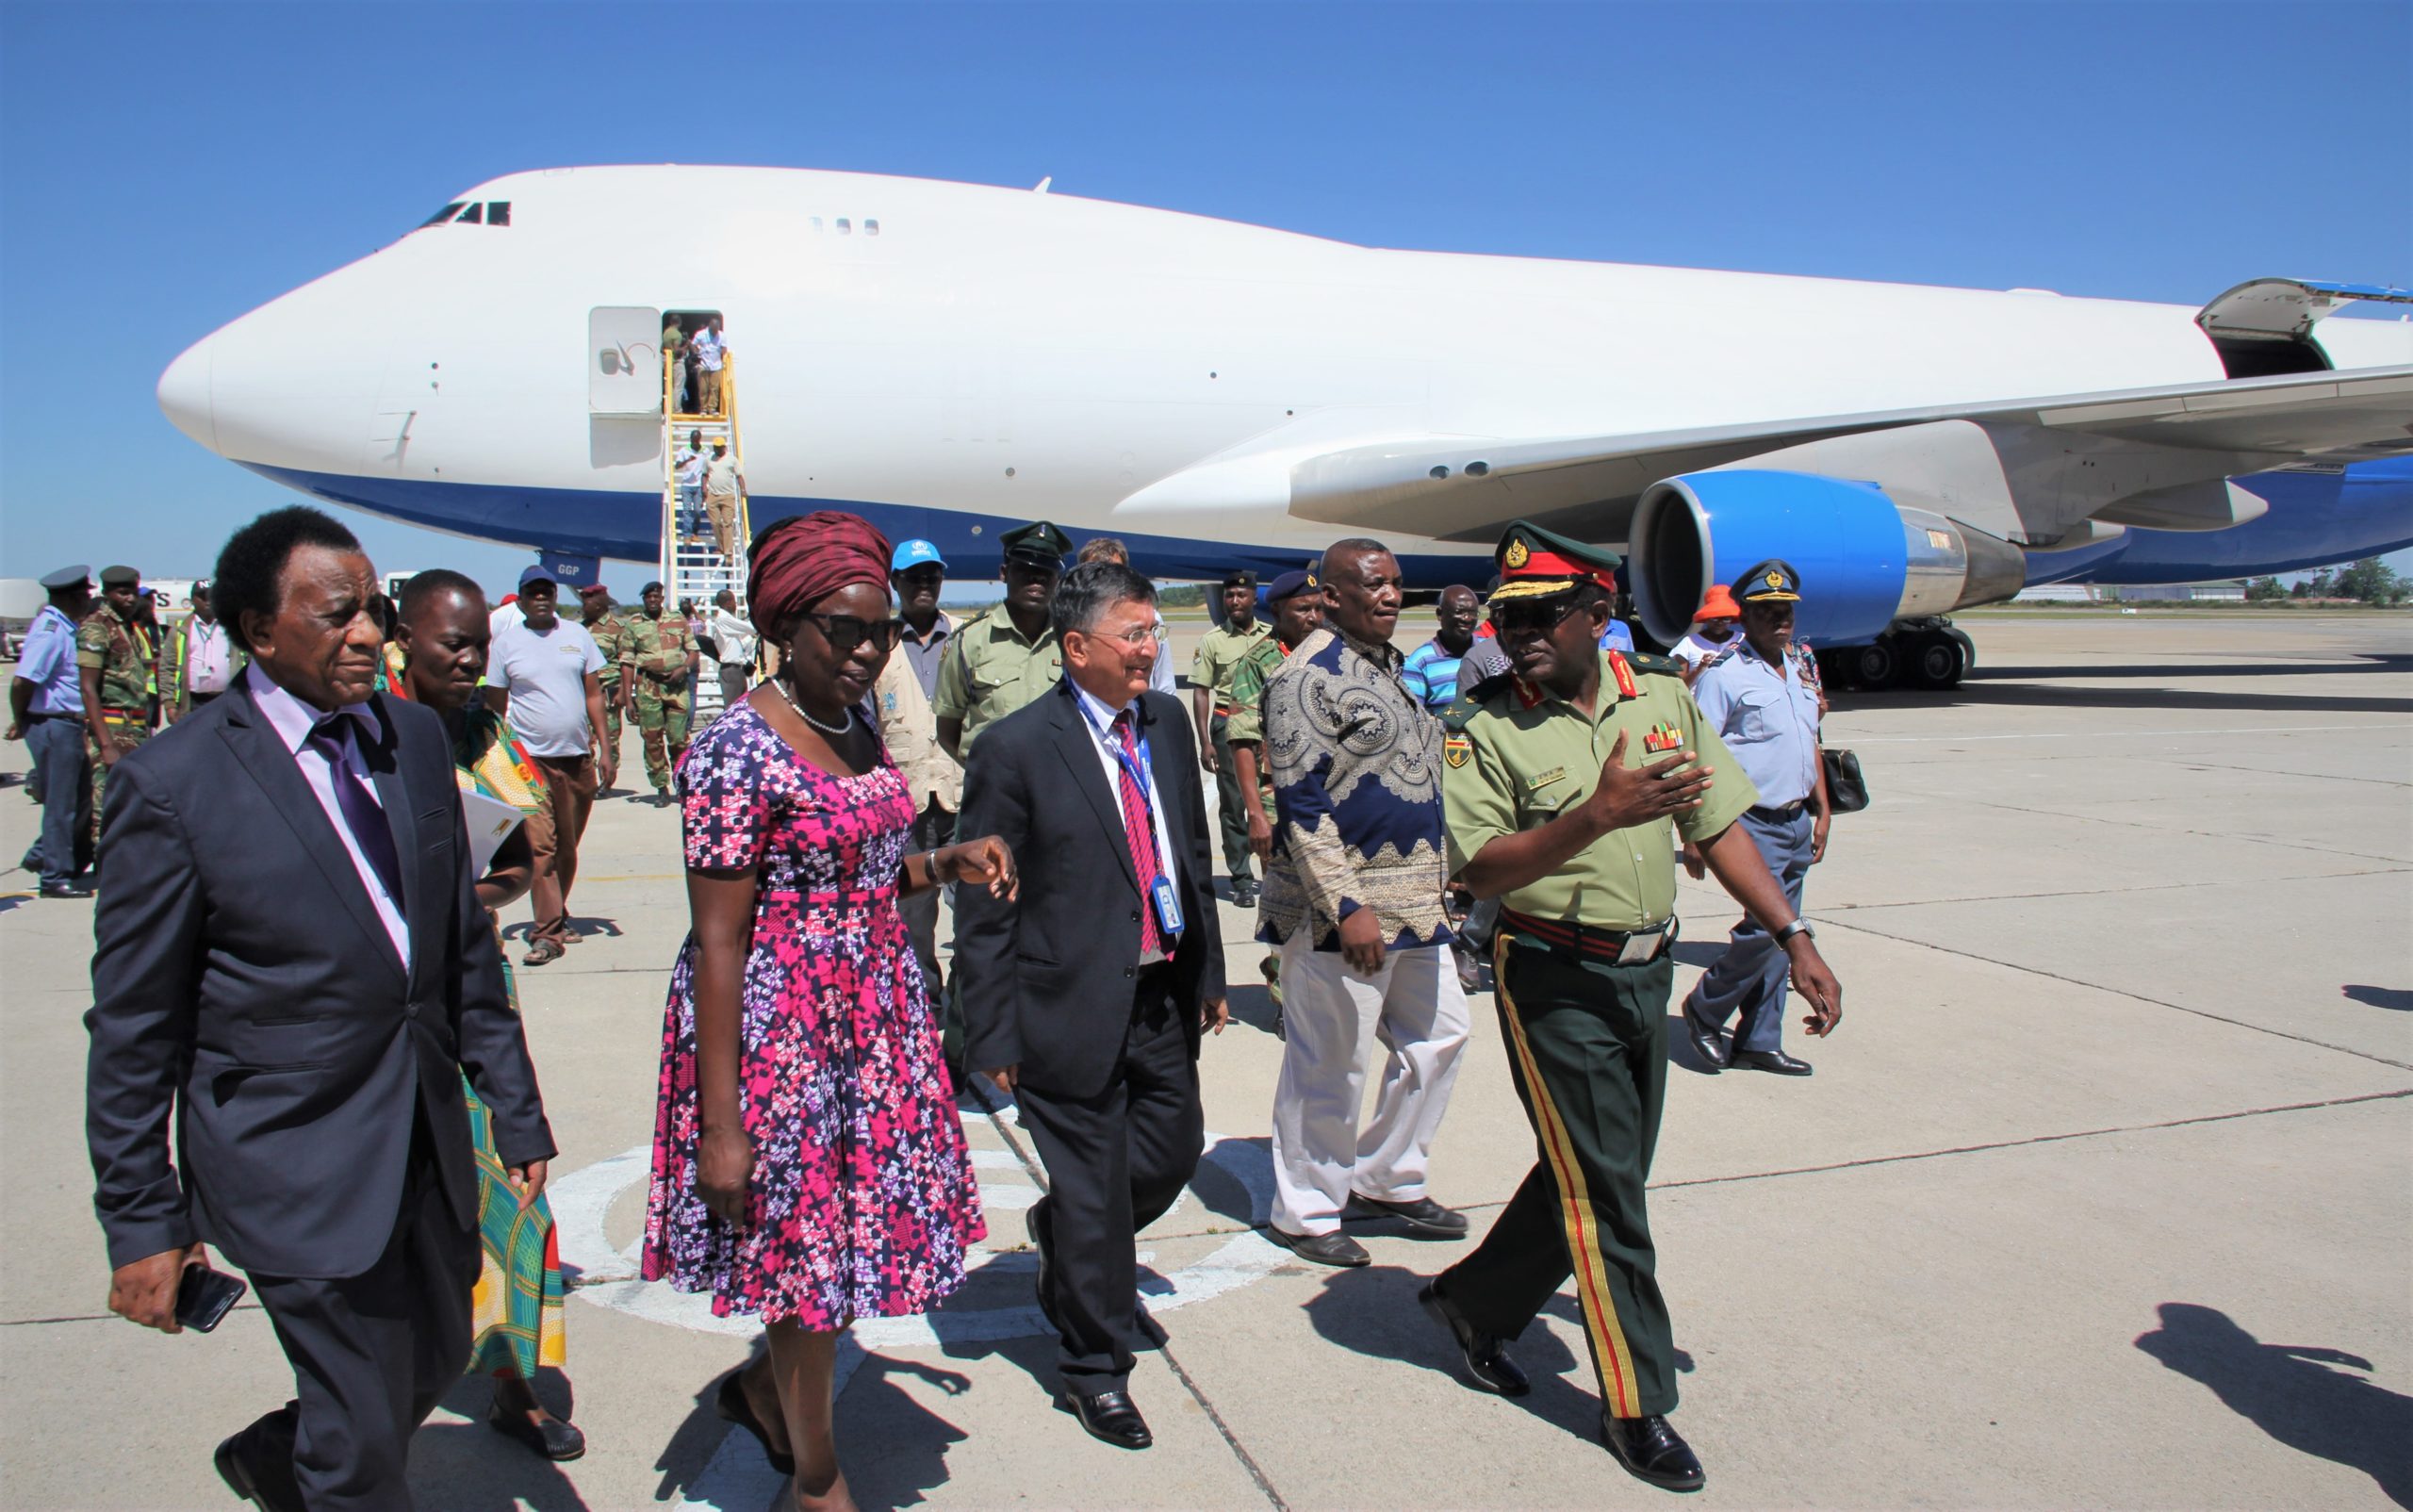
(1099, 718)
(293, 720)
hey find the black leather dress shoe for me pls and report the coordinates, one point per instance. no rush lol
(1335, 1248)
(1652, 1452)
(1424, 1217)
(1243, 894)
(1708, 1043)
(550, 1437)
(246, 1480)
(66, 890)
(1486, 1358)
(1110, 1417)
(1776, 1060)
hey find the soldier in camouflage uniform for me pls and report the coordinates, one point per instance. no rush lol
(114, 656)
(1297, 611)
(656, 655)
(611, 634)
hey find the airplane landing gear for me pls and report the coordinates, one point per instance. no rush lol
(1929, 655)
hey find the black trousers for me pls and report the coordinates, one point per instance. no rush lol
(1231, 804)
(1115, 1163)
(372, 1355)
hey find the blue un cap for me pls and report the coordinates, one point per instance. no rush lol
(914, 554)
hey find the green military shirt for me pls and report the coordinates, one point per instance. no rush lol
(1219, 657)
(121, 653)
(1515, 757)
(657, 648)
(990, 670)
(611, 634)
(1255, 669)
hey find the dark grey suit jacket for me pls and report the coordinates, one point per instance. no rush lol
(243, 981)
(1047, 980)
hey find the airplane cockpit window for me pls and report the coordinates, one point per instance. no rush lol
(443, 215)
(472, 216)
(497, 213)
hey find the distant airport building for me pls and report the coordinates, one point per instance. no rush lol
(2230, 590)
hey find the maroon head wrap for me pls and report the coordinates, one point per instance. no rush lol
(808, 557)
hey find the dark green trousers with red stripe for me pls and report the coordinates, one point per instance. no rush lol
(1587, 1045)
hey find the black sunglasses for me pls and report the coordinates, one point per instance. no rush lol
(1530, 614)
(846, 631)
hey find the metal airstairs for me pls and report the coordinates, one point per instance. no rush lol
(692, 565)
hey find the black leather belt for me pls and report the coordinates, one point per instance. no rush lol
(1588, 944)
(1780, 811)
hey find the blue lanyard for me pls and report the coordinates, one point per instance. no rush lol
(1137, 767)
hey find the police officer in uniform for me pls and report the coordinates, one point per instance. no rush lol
(1009, 655)
(114, 655)
(1560, 780)
(1755, 696)
(610, 630)
(1211, 670)
(47, 711)
(655, 657)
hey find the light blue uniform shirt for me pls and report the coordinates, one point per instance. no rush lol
(1768, 717)
(48, 661)
(1617, 637)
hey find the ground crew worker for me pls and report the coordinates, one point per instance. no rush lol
(1297, 602)
(1210, 691)
(114, 656)
(655, 654)
(1560, 780)
(609, 632)
(1007, 656)
(1755, 696)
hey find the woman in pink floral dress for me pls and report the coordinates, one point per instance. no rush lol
(808, 1166)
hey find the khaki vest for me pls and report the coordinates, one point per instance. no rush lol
(911, 728)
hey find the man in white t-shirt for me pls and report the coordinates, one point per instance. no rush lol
(545, 674)
(711, 350)
(1714, 633)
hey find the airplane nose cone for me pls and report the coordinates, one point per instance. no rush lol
(184, 398)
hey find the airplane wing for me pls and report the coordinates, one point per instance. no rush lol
(1466, 488)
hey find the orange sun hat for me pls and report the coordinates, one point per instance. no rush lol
(1717, 603)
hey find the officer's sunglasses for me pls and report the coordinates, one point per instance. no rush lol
(1544, 614)
(846, 631)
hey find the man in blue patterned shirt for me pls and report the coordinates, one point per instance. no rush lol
(1353, 897)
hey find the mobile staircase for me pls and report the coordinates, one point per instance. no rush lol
(692, 568)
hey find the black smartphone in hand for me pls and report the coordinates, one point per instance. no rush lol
(205, 1296)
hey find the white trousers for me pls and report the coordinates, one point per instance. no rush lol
(1333, 1016)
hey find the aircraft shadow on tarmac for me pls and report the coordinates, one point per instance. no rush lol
(2294, 1392)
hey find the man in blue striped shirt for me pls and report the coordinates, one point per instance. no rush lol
(1431, 670)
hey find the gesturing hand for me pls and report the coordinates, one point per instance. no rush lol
(724, 1170)
(987, 861)
(1629, 795)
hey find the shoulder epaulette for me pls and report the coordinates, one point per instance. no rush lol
(1645, 662)
(1463, 707)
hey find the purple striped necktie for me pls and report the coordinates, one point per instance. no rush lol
(331, 738)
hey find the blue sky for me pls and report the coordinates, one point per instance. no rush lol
(165, 168)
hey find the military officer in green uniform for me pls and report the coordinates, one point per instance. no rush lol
(609, 632)
(657, 652)
(1009, 655)
(1217, 657)
(114, 657)
(1560, 782)
(1298, 611)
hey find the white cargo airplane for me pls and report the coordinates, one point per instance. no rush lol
(943, 357)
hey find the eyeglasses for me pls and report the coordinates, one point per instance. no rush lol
(1132, 639)
(1527, 615)
(846, 631)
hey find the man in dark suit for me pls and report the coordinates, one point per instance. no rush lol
(1088, 998)
(295, 965)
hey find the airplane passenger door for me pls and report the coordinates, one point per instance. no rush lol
(624, 360)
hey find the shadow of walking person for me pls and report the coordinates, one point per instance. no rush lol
(2290, 1393)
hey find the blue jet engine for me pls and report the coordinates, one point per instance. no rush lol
(1866, 561)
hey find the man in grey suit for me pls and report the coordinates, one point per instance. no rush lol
(296, 968)
(1087, 997)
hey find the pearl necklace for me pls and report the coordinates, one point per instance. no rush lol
(842, 727)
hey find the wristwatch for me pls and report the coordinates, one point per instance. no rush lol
(1799, 926)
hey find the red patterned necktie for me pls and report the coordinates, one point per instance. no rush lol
(1139, 833)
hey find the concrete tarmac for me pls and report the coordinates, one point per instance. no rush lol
(2101, 1196)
